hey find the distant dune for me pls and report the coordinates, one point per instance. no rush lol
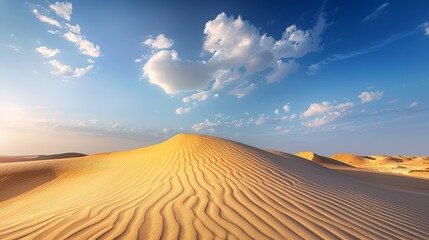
(4, 159)
(322, 160)
(194, 186)
(406, 165)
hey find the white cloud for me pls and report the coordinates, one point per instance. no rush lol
(74, 28)
(86, 123)
(65, 71)
(286, 108)
(282, 130)
(79, 72)
(174, 75)
(376, 13)
(206, 124)
(46, 19)
(325, 107)
(262, 119)
(86, 47)
(235, 43)
(241, 92)
(61, 70)
(276, 112)
(322, 120)
(53, 32)
(71, 33)
(200, 96)
(237, 50)
(160, 42)
(47, 52)
(62, 9)
(166, 130)
(414, 104)
(281, 70)
(268, 120)
(182, 110)
(367, 97)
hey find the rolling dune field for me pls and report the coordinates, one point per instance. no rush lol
(200, 187)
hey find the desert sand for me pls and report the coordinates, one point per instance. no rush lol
(417, 166)
(4, 159)
(194, 186)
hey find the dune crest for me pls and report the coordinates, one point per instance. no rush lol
(322, 160)
(417, 166)
(5, 159)
(194, 186)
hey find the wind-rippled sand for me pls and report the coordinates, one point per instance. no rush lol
(194, 186)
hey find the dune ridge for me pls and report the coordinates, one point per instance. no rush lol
(416, 166)
(5, 159)
(194, 186)
(329, 162)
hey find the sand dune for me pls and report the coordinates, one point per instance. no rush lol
(325, 161)
(4, 159)
(194, 186)
(351, 159)
(405, 165)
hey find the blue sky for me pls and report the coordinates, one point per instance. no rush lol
(322, 76)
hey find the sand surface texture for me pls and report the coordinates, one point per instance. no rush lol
(194, 186)
(417, 166)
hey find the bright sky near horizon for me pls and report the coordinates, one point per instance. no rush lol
(322, 76)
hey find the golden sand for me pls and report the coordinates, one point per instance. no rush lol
(194, 186)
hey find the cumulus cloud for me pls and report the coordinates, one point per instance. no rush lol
(323, 120)
(174, 75)
(65, 71)
(276, 112)
(86, 47)
(236, 43)
(183, 110)
(236, 50)
(367, 97)
(47, 52)
(205, 125)
(79, 72)
(381, 9)
(160, 42)
(286, 108)
(281, 70)
(414, 104)
(324, 107)
(62, 9)
(46, 19)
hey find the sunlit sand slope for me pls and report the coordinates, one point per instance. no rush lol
(417, 166)
(321, 159)
(203, 187)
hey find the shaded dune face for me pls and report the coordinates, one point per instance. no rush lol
(194, 186)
